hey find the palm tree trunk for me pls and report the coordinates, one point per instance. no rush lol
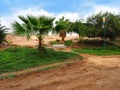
(62, 35)
(40, 44)
(62, 40)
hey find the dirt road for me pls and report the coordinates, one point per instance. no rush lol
(92, 73)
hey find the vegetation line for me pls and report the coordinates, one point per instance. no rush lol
(20, 58)
(10, 75)
(112, 50)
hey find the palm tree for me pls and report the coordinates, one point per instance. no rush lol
(3, 33)
(38, 26)
(62, 27)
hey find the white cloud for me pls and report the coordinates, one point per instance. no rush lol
(104, 8)
(100, 8)
(8, 20)
(96, 8)
(32, 11)
(68, 15)
(72, 16)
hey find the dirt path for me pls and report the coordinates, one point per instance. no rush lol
(38, 68)
(93, 73)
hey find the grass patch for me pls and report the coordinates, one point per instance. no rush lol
(111, 50)
(19, 58)
(67, 42)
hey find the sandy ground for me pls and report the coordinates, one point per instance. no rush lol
(33, 42)
(92, 73)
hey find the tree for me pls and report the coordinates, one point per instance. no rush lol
(95, 23)
(79, 28)
(38, 26)
(112, 25)
(3, 33)
(62, 26)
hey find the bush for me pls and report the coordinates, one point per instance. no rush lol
(68, 42)
(109, 50)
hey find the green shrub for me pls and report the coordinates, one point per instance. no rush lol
(109, 50)
(68, 42)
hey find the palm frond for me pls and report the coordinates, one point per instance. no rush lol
(24, 20)
(3, 33)
(18, 28)
(33, 20)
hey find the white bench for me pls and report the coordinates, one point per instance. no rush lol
(59, 46)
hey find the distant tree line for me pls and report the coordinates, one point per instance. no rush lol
(94, 26)
(42, 25)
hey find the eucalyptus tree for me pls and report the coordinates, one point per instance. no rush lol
(62, 26)
(38, 26)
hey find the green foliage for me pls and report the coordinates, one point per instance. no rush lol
(18, 28)
(33, 25)
(2, 33)
(62, 27)
(111, 50)
(38, 26)
(19, 58)
(79, 28)
(68, 42)
(94, 26)
(111, 25)
(62, 24)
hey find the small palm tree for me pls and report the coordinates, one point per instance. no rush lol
(38, 26)
(62, 27)
(3, 33)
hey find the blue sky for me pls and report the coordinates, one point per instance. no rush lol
(71, 9)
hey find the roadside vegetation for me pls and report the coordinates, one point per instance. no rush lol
(19, 58)
(109, 50)
(66, 42)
